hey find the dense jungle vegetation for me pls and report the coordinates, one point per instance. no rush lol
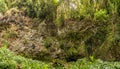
(59, 34)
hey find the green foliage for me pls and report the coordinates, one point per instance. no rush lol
(10, 61)
(94, 24)
(92, 59)
(5, 43)
(38, 8)
(60, 20)
(55, 2)
(79, 13)
(101, 15)
(3, 6)
(97, 64)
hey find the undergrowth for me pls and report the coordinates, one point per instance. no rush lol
(8, 60)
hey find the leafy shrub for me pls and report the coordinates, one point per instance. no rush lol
(70, 44)
(60, 20)
(97, 64)
(37, 8)
(3, 6)
(101, 15)
(79, 13)
(10, 61)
